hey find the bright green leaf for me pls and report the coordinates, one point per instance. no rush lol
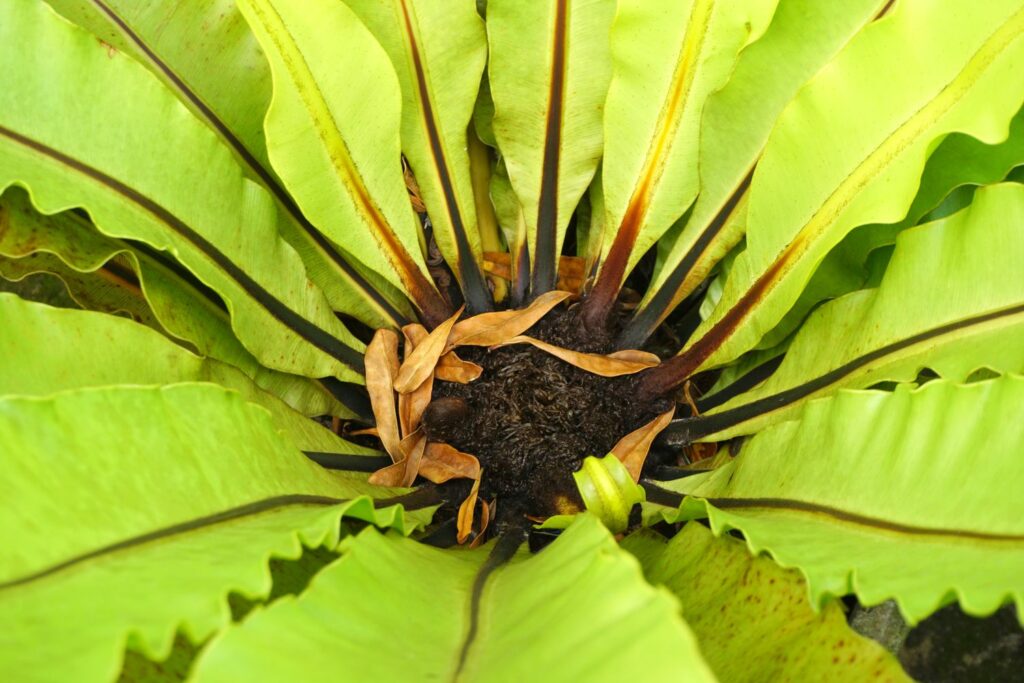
(111, 275)
(192, 476)
(59, 349)
(438, 49)
(752, 618)
(912, 495)
(334, 138)
(549, 70)
(579, 610)
(857, 144)
(69, 135)
(803, 36)
(943, 304)
(668, 56)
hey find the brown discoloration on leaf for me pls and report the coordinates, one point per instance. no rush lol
(381, 369)
(490, 329)
(451, 368)
(413, 188)
(442, 463)
(571, 270)
(467, 511)
(632, 449)
(420, 364)
(620, 363)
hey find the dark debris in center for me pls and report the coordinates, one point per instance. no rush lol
(532, 418)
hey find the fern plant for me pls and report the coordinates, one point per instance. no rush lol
(368, 282)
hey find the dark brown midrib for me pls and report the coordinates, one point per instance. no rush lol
(885, 10)
(175, 530)
(648, 318)
(415, 500)
(348, 462)
(705, 425)
(268, 180)
(545, 259)
(287, 317)
(504, 550)
(478, 299)
(663, 496)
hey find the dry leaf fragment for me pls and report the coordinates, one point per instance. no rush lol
(637, 356)
(490, 329)
(381, 362)
(369, 431)
(403, 472)
(485, 520)
(412, 405)
(390, 476)
(571, 269)
(442, 462)
(451, 368)
(614, 365)
(632, 449)
(421, 362)
(466, 512)
(413, 446)
(413, 188)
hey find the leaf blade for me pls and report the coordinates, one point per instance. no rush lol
(311, 125)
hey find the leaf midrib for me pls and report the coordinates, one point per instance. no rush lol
(305, 329)
(894, 144)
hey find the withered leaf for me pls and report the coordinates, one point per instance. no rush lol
(613, 365)
(467, 511)
(486, 515)
(442, 462)
(381, 368)
(390, 476)
(413, 447)
(413, 188)
(451, 368)
(571, 269)
(412, 405)
(490, 329)
(632, 449)
(421, 362)
(403, 472)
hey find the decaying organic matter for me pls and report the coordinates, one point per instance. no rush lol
(531, 418)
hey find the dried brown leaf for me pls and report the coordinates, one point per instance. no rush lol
(632, 449)
(485, 520)
(421, 362)
(413, 446)
(490, 329)
(571, 270)
(369, 431)
(614, 365)
(413, 188)
(442, 462)
(390, 476)
(381, 362)
(412, 405)
(498, 264)
(636, 356)
(467, 511)
(451, 368)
